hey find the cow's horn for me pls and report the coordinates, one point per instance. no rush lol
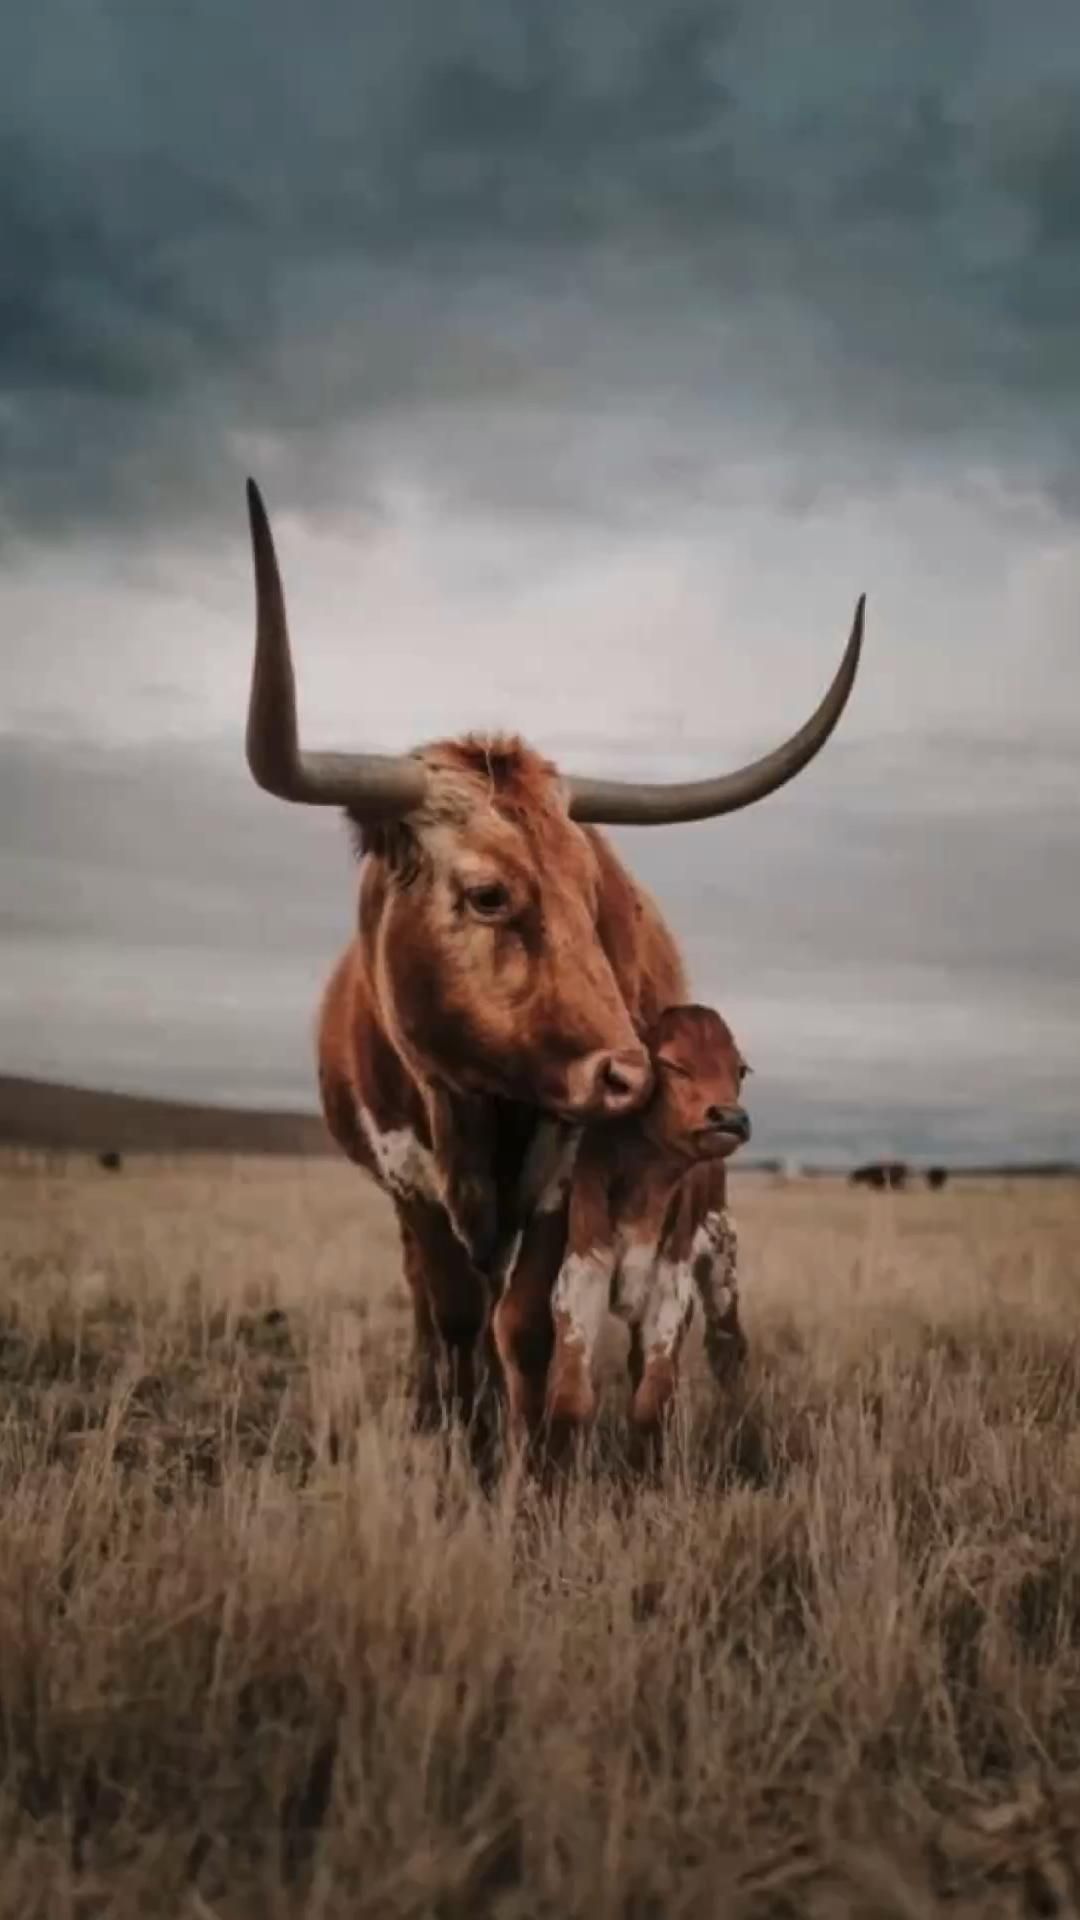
(632, 803)
(371, 785)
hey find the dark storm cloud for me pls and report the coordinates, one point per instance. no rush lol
(221, 222)
(816, 266)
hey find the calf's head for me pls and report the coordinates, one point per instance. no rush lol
(696, 1109)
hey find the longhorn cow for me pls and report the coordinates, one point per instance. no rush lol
(493, 999)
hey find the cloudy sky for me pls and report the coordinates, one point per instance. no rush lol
(592, 359)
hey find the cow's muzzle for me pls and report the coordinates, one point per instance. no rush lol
(604, 1085)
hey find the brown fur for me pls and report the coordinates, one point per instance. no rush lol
(651, 1182)
(464, 1032)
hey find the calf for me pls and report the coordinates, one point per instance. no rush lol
(649, 1228)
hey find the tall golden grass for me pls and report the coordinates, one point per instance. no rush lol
(263, 1651)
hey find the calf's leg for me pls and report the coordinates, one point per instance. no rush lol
(714, 1262)
(655, 1344)
(579, 1304)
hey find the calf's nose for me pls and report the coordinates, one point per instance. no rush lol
(733, 1120)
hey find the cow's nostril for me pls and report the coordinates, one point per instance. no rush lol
(623, 1079)
(607, 1083)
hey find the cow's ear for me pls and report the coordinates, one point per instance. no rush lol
(392, 841)
(366, 836)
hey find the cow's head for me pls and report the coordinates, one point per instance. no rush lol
(696, 1109)
(481, 913)
(484, 914)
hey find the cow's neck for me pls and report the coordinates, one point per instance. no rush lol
(479, 1144)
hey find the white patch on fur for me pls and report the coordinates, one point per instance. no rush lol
(657, 1295)
(404, 1166)
(714, 1265)
(716, 1241)
(581, 1292)
(668, 1308)
(633, 1279)
(721, 1225)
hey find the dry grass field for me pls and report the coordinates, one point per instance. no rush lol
(264, 1652)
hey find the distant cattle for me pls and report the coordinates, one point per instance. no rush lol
(880, 1174)
(936, 1178)
(111, 1161)
(868, 1176)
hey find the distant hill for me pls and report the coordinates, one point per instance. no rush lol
(47, 1114)
(42, 1113)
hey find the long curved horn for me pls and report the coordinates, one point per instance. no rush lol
(631, 803)
(372, 785)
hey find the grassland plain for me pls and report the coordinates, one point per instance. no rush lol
(265, 1652)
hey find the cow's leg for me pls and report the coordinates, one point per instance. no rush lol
(523, 1327)
(450, 1302)
(426, 1342)
(655, 1344)
(714, 1264)
(449, 1297)
(463, 1153)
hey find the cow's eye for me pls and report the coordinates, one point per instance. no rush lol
(743, 1071)
(672, 1066)
(488, 902)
